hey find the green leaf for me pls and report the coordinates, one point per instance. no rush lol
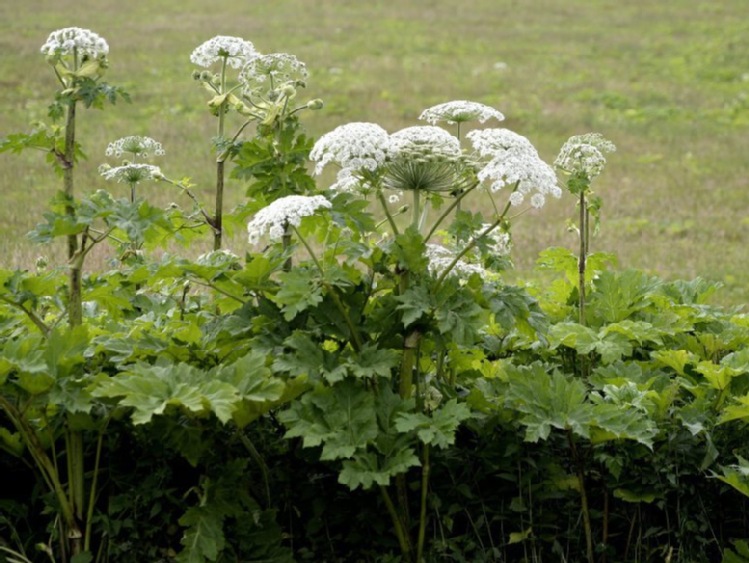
(410, 250)
(415, 303)
(548, 401)
(341, 418)
(741, 555)
(718, 376)
(520, 537)
(437, 429)
(737, 476)
(298, 292)
(204, 538)
(367, 468)
(573, 335)
(738, 410)
(677, 360)
(150, 390)
(373, 362)
(628, 495)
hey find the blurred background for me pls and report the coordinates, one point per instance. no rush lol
(667, 82)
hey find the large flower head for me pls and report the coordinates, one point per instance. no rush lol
(83, 43)
(235, 50)
(285, 211)
(512, 160)
(583, 154)
(131, 173)
(460, 111)
(359, 149)
(139, 147)
(264, 73)
(425, 158)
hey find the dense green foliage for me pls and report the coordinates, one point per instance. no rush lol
(333, 396)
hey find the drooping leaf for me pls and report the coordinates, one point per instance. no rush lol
(367, 468)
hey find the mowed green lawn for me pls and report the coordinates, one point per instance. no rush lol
(668, 82)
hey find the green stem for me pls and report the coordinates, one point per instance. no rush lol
(454, 205)
(218, 218)
(580, 465)
(93, 490)
(416, 213)
(33, 317)
(44, 464)
(472, 243)
(582, 258)
(403, 539)
(75, 304)
(425, 470)
(258, 459)
(390, 219)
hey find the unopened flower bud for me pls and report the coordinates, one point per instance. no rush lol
(41, 262)
(289, 91)
(196, 74)
(315, 104)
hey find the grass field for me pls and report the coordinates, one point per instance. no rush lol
(668, 82)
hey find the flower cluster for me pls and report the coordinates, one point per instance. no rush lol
(425, 158)
(235, 50)
(356, 148)
(514, 161)
(75, 40)
(284, 211)
(441, 257)
(266, 72)
(142, 147)
(425, 144)
(131, 173)
(460, 111)
(583, 154)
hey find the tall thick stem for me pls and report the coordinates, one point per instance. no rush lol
(218, 218)
(582, 258)
(75, 304)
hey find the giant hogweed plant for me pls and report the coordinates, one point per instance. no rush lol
(370, 320)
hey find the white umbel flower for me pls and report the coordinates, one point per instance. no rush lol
(143, 147)
(288, 210)
(357, 148)
(274, 69)
(425, 143)
(583, 154)
(131, 173)
(512, 159)
(235, 50)
(69, 40)
(460, 111)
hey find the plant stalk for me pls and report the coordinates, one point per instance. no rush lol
(425, 470)
(580, 465)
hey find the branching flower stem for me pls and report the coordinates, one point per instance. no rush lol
(454, 205)
(388, 215)
(473, 242)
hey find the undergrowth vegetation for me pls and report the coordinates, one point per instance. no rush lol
(364, 383)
